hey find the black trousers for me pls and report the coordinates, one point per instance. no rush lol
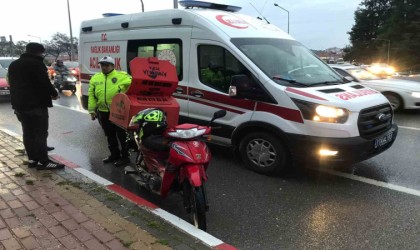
(35, 132)
(114, 134)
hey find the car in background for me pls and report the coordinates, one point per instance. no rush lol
(4, 85)
(73, 68)
(381, 69)
(6, 61)
(401, 94)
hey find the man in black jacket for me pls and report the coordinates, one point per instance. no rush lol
(31, 94)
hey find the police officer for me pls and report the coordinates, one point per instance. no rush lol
(103, 86)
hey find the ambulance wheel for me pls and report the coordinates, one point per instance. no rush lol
(263, 153)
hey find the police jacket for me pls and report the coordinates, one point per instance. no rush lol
(30, 86)
(103, 87)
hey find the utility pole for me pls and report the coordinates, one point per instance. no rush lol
(288, 19)
(12, 51)
(71, 33)
(175, 4)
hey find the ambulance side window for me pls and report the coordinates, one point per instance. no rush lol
(163, 49)
(217, 66)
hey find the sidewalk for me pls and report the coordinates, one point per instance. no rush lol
(63, 209)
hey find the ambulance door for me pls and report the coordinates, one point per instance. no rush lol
(212, 66)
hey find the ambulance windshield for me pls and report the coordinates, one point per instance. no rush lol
(287, 62)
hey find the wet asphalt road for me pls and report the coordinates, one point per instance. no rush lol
(306, 209)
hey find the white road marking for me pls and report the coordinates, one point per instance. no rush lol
(372, 182)
(70, 108)
(93, 176)
(9, 132)
(187, 227)
(412, 128)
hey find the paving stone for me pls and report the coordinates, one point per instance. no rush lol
(5, 234)
(3, 205)
(49, 242)
(82, 235)
(22, 212)
(94, 244)
(11, 244)
(6, 213)
(15, 204)
(61, 216)
(58, 231)
(12, 222)
(79, 217)
(115, 245)
(49, 221)
(30, 243)
(52, 208)
(70, 224)
(31, 205)
(69, 242)
(39, 231)
(24, 198)
(70, 209)
(18, 191)
(103, 236)
(2, 224)
(91, 226)
(29, 221)
(8, 196)
(22, 232)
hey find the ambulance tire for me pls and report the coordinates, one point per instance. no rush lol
(263, 153)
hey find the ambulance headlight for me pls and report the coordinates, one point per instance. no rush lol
(322, 113)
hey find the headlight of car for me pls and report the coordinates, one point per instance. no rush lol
(415, 94)
(322, 113)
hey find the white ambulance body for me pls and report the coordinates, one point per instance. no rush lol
(288, 104)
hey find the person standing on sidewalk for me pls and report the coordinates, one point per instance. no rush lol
(31, 95)
(103, 86)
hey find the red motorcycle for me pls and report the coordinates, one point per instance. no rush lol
(174, 159)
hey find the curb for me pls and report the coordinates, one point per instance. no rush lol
(179, 223)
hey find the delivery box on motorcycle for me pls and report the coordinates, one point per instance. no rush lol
(153, 83)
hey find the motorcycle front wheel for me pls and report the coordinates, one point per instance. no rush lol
(196, 197)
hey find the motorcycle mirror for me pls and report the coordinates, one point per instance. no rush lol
(218, 114)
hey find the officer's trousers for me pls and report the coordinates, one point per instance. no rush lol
(114, 134)
(35, 132)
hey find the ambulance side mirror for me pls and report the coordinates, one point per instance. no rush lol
(349, 79)
(240, 85)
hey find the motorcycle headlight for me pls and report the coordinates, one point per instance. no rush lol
(187, 133)
(322, 113)
(73, 72)
(415, 94)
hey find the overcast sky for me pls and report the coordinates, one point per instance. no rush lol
(318, 24)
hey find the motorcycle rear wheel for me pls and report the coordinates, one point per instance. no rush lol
(197, 205)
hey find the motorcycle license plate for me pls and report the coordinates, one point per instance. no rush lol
(4, 92)
(382, 141)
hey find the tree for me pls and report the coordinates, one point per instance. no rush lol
(370, 19)
(376, 22)
(60, 43)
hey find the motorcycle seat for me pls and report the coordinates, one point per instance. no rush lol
(156, 143)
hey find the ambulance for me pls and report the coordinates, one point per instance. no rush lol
(283, 103)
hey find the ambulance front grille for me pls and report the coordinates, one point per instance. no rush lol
(375, 120)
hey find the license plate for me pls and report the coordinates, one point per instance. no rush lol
(381, 141)
(4, 92)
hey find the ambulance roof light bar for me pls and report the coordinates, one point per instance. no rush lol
(207, 5)
(111, 14)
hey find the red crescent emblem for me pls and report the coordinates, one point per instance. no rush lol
(231, 21)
